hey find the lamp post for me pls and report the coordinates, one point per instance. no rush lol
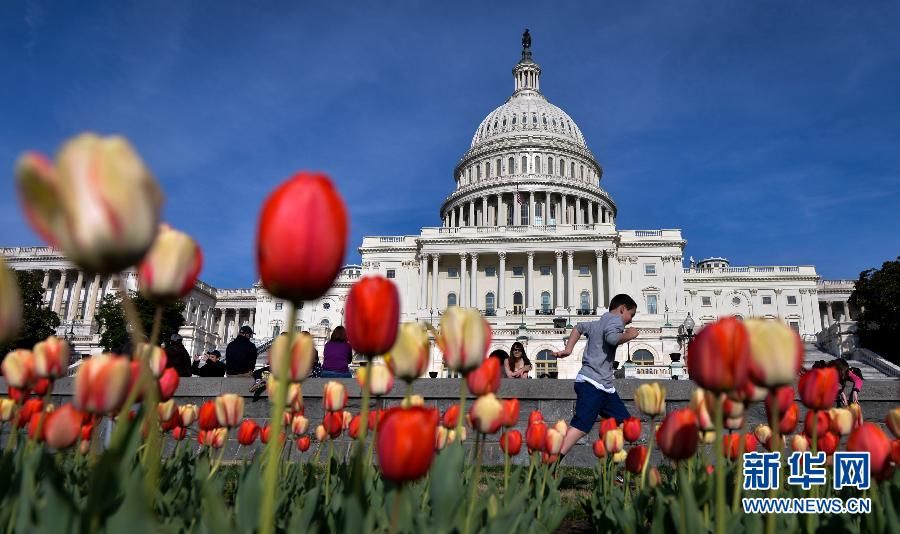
(70, 338)
(687, 333)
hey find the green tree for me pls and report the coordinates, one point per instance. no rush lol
(877, 296)
(111, 319)
(38, 320)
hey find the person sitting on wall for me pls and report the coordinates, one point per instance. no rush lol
(337, 355)
(240, 355)
(517, 365)
(177, 356)
(214, 367)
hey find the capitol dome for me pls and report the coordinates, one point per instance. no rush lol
(527, 112)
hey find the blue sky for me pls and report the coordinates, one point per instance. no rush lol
(768, 131)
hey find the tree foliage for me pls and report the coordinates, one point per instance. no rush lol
(877, 296)
(115, 337)
(38, 320)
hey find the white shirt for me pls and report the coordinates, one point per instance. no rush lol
(582, 378)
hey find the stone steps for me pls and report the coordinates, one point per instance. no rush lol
(813, 354)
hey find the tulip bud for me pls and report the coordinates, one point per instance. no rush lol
(510, 412)
(405, 443)
(264, 433)
(464, 338)
(18, 369)
(828, 443)
(818, 388)
(869, 437)
(216, 437)
(535, 417)
(548, 459)
(291, 363)
(156, 358)
(299, 425)
(599, 449)
(776, 352)
(62, 428)
(707, 437)
(734, 423)
(561, 427)
(895, 451)
(308, 213)
(303, 443)
(553, 442)
(166, 410)
(619, 457)
(720, 355)
(334, 423)
(321, 433)
(699, 404)
(486, 378)
(334, 396)
(207, 417)
(511, 442)
(893, 422)
(631, 429)
(451, 416)
(816, 422)
(51, 358)
(382, 381)
(732, 409)
(408, 358)
(783, 397)
(168, 384)
(412, 400)
(247, 432)
(229, 409)
(188, 414)
(856, 410)
(678, 435)
(614, 441)
(179, 433)
(788, 423)
(653, 477)
(102, 384)
(536, 436)
(763, 433)
(636, 458)
(6, 409)
(10, 304)
(372, 314)
(171, 267)
(650, 399)
(440, 438)
(487, 414)
(100, 205)
(29, 408)
(799, 443)
(608, 424)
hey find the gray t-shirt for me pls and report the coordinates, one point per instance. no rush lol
(602, 339)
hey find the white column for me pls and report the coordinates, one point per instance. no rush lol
(679, 283)
(531, 207)
(570, 282)
(578, 218)
(564, 215)
(500, 212)
(529, 281)
(253, 319)
(501, 282)
(92, 300)
(75, 297)
(778, 303)
(57, 293)
(590, 212)
(548, 201)
(462, 300)
(558, 297)
(435, 303)
(474, 301)
(817, 315)
(847, 309)
(830, 313)
(612, 265)
(472, 221)
(452, 217)
(423, 281)
(46, 280)
(599, 298)
(517, 211)
(484, 212)
(668, 284)
(221, 329)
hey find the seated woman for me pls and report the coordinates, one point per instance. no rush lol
(517, 365)
(337, 355)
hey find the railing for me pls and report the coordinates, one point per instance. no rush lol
(851, 283)
(391, 239)
(789, 269)
(800, 269)
(648, 233)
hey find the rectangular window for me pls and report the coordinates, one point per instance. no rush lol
(545, 270)
(584, 270)
(795, 325)
(518, 270)
(707, 301)
(279, 305)
(490, 271)
(792, 299)
(650, 269)
(391, 273)
(767, 300)
(452, 272)
(651, 304)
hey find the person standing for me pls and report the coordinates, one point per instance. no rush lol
(177, 356)
(337, 355)
(594, 389)
(240, 354)
(213, 367)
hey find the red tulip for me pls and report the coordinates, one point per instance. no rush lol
(333, 423)
(535, 437)
(783, 396)
(732, 443)
(510, 412)
(247, 432)
(374, 417)
(829, 443)
(62, 427)
(171, 266)
(818, 388)
(720, 355)
(41, 387)
(353, 429)
(599, 449)
(634, 462)
(535, 417)
(895, 451)
(264, 433)
(788, 422)
(102, 384)
(511, 442)
(817, 422)
(547, 458)
(16, 395)
(451, 416)
(486, 378)
(372, 315)
(678, 435)
(608, 424)
(631, 428)
(28, 409)
(37, 420)
(207, 419)
(303, 443)
(179, 433)
(86, 431)
(51, 357)
(301, 238)
(405, 443)
(168, 383)
(870, 438)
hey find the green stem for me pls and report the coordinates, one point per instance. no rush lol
(364, 410)
(474, 491)
(151, 415)
(379, 408)
(218, 461)
(775, 444)
(270, 474)
(505, 471)
(534, 457)
(720, 469)
(540, 499)
(649, 452)
(738, 480)
(627, 486)
(682, 481)
(328, 473)
(879, 511)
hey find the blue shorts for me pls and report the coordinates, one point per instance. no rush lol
(592, 402)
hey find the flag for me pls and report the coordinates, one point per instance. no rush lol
(519, 198)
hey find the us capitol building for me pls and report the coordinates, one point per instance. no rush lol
(528, 235)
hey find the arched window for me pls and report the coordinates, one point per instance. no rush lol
(487, 168)
(326, 323)
(545, 119)
(489, 304)
(524, 165)
(534, 119)
(642, 357)
(511, 165)
(562, 167)
(514, 120)
(504, 122)
(572, 172)
(495, 124)
(585, 301)
(451, 299)
(537, 164)
(524, 219)
(469, 173)
(550, 165)
(518, 308)
(545, 365)
(582, 172)
(545, 302)
(498, 167)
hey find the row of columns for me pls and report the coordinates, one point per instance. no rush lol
(63, 290)
(223, 331)
(564, 290)
(496, 213)
(829, 316)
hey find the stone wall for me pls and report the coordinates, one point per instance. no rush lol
(554, 398)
